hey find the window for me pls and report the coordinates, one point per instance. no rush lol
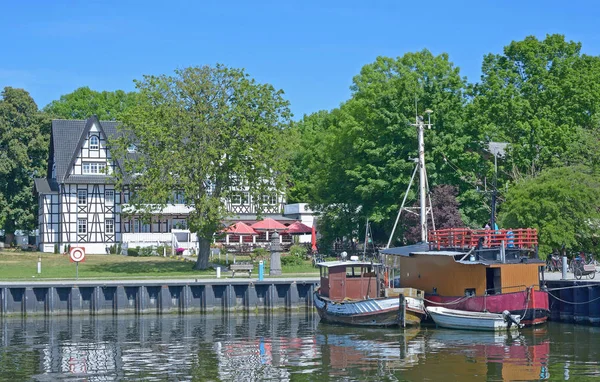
(269, 199)
(94, 143)
(109, 226)
(324, 272)
(179, 198)
(94, 167)
(352, 272)
(81, 197)
(131, 148)
(109, 196)
(81, 225)
(236, 199)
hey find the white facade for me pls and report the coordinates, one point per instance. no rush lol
(79, 205)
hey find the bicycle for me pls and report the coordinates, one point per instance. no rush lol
(582, 258)
(554, 263)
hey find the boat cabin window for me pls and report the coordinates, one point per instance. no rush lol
(324, 272)
(353, 272)
(470, 292)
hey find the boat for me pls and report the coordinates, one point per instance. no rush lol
(477, 270)
(462, 319)
(350, 293)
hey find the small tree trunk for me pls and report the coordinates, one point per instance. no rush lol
(9, 239)
(203, 253)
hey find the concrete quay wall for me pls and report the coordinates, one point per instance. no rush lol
(154, 297)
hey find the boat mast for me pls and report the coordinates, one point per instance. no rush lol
(422, 175)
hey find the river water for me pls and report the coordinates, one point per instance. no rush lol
(284, 346)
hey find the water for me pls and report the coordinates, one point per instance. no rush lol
(292, 347)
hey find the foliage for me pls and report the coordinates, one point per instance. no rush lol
(258, 254)
(299, 251)
(538, 96)
(562, 203)
(133, 251)
(359, 162)
(209, 132)
(445, 213)
(84, 103)
(24, 136)
(146, 251)
(56, 249)
(291, 260)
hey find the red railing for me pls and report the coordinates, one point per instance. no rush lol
(466, 238)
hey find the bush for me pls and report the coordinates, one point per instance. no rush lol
(119, 248)
(291, 261)
(258, 254)
(56, 249)
(146, 251)
(133, 251)
(299, 251)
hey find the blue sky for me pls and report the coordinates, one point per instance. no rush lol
(310, 49)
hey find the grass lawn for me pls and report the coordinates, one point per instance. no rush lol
(23, 266)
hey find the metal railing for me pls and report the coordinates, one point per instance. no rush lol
(466, 238)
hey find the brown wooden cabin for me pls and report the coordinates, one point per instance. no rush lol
(353, 280)
(457, 269)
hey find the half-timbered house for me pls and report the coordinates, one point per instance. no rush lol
(79, 204)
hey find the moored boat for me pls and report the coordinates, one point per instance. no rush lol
(461, 319)
(350, 293)
(476, 270)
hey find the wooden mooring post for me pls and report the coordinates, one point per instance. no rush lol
(402, 310)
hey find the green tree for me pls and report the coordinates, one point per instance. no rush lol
(84, 102)
(24, 135)
(539, 96)
(360, 163)
(209, 132)
(562, 203)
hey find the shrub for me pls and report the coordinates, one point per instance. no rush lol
(145, 251)
(291, 261)
(119, 248)
(133, 251)
(299, 251)
(56, 249)
(65, 249)
(258, 254)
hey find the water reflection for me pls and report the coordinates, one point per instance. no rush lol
(284, 347)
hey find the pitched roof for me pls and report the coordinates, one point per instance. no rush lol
(68, 136)
(46, 186)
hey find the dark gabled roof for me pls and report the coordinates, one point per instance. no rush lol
(68, 137)
(45, 186)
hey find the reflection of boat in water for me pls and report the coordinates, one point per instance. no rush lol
(350, 294)
(463, 319)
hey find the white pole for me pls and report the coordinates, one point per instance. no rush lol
(412, 178)
(422, 187)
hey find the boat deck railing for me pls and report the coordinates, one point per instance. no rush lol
(466, 238)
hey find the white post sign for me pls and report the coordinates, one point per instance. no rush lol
(77, 255)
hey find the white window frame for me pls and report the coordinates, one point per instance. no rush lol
(109, 226)
(94, 146)
(81, 226)
(93, 168)
(82, 197)
(269, 199)
(132, 148)
(109, 197)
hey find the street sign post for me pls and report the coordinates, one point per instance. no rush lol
(77, 255)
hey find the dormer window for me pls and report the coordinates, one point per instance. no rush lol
(94, 142)
(131, 148)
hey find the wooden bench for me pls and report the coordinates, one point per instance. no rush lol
(241, 267)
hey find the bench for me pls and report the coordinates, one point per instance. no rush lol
(241, 267)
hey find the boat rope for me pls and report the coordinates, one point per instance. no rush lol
(457, 301)
(572, 302)
(529, 291)
(571, 287)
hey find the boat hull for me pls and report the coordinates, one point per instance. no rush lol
(457, 319)
(369, 312)
(532, 306)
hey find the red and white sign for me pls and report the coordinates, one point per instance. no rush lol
(77, 254)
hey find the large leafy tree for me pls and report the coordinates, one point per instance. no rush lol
(84, 102)
(361, 158)
(208, 132)
(562, 203)
(24, 134)
(540, 96)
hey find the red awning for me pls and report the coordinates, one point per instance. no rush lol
(240, 228)
(268, 224)
(297, 228)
